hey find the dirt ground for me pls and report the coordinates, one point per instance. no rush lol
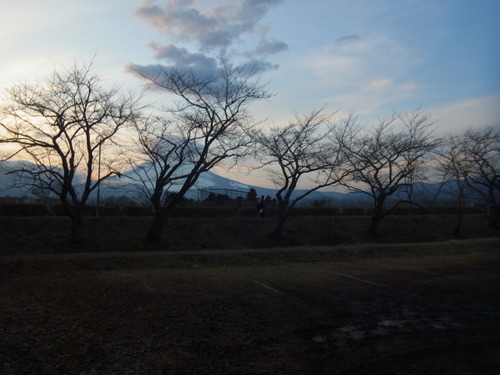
(427, 308)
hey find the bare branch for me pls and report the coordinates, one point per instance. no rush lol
(387, 158)
(207, 126)
(61, 126)
(302, 150)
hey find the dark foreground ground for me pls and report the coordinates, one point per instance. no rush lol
(346, 309)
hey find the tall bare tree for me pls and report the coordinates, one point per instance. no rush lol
(63, 126)
(480, 165)
(301, 151)
(208, 124)
(387, 159)
(450, 167)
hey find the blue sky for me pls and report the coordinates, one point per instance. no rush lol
(371, 57)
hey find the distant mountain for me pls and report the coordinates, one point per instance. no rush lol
(10, 184)
(126, 184)
(211, 182)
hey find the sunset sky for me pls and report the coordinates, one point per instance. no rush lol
(371, 57)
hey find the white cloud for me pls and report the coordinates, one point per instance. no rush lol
(361, 61)
(33, 67)
(475, 113)
(364, 74)
(38, 37)
(21, 18)
(381, 84)
(333, 71)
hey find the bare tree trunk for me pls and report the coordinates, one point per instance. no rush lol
(156, 227)
(377, 217)
(77, 216)
(495, 217)
(374, 224)
(282, 218)
(77, 226)
(458, 224)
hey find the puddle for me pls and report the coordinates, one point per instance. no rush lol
(386, 327)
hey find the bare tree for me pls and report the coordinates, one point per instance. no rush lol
(480, 165)
(208, 125)
(387, 159)
(300, 151)
(450, 167)
(63, 127)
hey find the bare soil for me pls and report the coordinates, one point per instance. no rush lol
(349, 308)
(353, 309)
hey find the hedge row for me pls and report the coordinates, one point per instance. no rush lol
(37, 209)
(23, 209)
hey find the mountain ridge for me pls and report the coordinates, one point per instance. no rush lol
(211, 182)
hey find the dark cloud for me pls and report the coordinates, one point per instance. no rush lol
(270, 47)
(346, 39)
(206, 82)
(214, 27)
(260, 65)
(178, 19)
(182, 57)
(154, 74)
(217, 31)
(145, 71)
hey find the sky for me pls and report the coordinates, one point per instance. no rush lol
(369, 57)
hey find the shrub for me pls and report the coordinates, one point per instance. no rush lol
(475, 210)
(22, 209)
(203, 211)
(443, 210)
(402, 211)
(103, 210)
(353, 211)
(252, 211)
(315, 211)
(132, 210)
(58, 210)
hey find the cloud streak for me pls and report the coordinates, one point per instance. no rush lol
(363, 72)
(474, 113)
(346, 39)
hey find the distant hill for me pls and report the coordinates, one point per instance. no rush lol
(125, 185)
(212, 182)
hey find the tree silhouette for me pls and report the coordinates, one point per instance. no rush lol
(208, 124)
(66, 127)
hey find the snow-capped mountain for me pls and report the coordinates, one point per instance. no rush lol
(128, 183)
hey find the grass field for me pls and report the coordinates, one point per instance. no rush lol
(363, 308)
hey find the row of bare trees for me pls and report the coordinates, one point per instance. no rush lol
(471, 161)
(78, 133)
(379, 160)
